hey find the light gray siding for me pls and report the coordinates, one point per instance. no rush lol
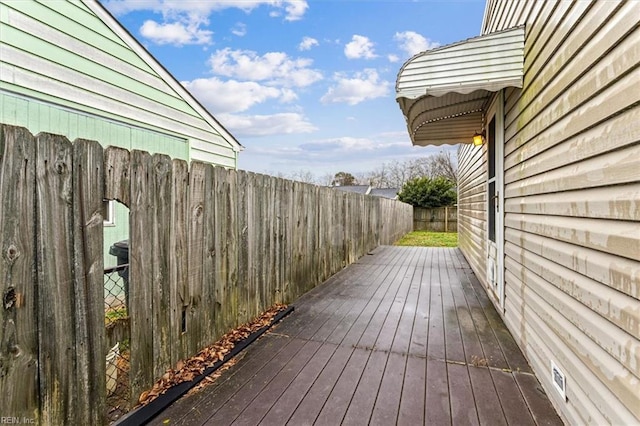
(472, 206)
(572, 202)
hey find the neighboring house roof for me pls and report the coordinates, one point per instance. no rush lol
(385, 192)
(75, 56)
(360, 189)
(443, 92)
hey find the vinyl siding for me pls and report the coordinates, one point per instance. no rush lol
(572, 202)
(472, 206)
(62, 53)
(41, 117)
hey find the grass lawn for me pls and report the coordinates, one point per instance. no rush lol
(429, 239)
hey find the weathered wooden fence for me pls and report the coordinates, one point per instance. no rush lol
(439, 219)
(209, 249)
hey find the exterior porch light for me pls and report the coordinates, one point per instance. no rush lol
(478, 139)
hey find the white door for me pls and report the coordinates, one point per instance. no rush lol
(495, 197)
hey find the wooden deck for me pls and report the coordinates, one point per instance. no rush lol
(404, 336)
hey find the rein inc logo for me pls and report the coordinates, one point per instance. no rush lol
(17, 420)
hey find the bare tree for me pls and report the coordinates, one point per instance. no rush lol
(388, 175)
(326, 179)
(377, 178)
(396, 173)
(304, 176)
(443, 165)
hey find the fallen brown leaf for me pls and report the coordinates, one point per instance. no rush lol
(188, 369)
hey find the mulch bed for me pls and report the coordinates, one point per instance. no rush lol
(187, 370)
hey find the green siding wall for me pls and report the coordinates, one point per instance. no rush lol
(40, 117)
(63, 53)
(113, 234)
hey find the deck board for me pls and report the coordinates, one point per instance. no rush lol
(364, 397)
(404, 336)
(437, 399)
(336, 405)
(412, 400)
(283, 409)
(385, 410)
(260, 406)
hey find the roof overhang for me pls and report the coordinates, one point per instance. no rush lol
(444, 93)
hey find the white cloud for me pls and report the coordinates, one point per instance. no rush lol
(330, 155)
(307, 43)
(413, 43)
(287, 95)
(393, 58)
(234, 96)
(177, 33)
(265, 125)
(342, 144)
(239, 29)
(293, 9)
(362, 86)
(183, 19)
(348, 153)
(360, 47)
(275, 67)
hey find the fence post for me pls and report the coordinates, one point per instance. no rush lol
(446, 219)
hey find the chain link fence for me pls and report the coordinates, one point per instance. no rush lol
(116, 317)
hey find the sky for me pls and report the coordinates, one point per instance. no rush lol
(302, 85)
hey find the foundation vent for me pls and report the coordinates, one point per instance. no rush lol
(559, 380)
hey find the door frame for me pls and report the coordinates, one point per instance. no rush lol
(495, 266)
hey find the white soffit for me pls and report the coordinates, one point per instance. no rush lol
(443, 92)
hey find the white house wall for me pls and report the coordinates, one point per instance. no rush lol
(572, 202)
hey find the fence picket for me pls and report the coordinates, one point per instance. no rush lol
(195, 321)
(242, 227)
(438, 219)
(141, 274)
(18, 321)
(231, 243)
(161, 181)
(286, 212)
(88, 178)
(209, 310)
(179, 259)
(219, 281)
(54, 192)
(117, 175)
(252, 239)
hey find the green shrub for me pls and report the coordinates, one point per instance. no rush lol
(426, 192)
